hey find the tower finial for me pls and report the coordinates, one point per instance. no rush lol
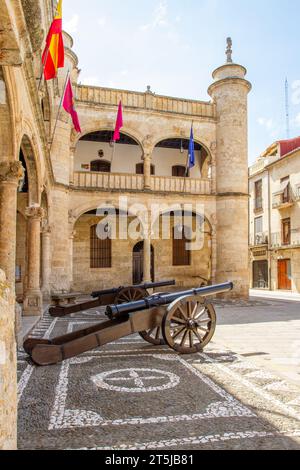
(229, 51)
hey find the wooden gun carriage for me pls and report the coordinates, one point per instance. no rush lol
(186, 320)
(116, 295)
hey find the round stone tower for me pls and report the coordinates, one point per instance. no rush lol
(229, 92)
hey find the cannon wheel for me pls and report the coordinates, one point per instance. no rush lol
(189, 324)
(153, 336)
(130, 294)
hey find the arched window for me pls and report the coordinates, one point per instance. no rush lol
(101, 165)
(140, 169)
(100, 250)
(179, 171)
(181, 256)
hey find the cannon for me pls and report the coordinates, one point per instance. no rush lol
(186, 320)
(116, 295)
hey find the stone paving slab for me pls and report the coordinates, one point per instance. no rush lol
(132, 395)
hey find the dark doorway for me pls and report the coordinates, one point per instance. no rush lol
(101, 165)
(260, 275)
(138, 263)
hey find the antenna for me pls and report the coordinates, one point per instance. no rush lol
(287, 108)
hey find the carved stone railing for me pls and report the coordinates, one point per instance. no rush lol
(122, 181)
(181, 185)
(97, 180)
(149, 101)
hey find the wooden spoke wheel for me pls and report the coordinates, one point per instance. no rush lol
(130, 294)
(153, 336)
(189, 324)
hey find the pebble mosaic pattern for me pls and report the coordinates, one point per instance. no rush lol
(132, 395)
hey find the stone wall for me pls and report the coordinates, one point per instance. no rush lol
(8, 376)
(121, 272)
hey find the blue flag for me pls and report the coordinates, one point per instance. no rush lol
(192, 150)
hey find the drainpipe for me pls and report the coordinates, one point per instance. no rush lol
(270, 233)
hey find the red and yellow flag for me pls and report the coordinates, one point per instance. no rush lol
(54, 53)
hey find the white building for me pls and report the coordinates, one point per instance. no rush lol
(274, 228)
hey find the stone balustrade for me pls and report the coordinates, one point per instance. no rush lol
(108, 180)
(151, 101)
(116, 181)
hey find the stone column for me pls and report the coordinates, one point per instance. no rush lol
(71, 247)
(8, 368)
(46, 261)
(72, 157)
(10, 175)
(33, 299)
(147, 170)
(147, 256)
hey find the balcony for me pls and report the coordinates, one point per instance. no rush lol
(293, 241)
(260, 239)
(131, 182)
(284, 198)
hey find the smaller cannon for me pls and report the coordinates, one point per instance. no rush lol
(186, 320)
(116, 295)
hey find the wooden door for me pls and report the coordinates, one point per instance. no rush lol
(284, 279)
(138, 267)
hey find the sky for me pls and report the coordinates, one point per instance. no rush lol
(174, 46)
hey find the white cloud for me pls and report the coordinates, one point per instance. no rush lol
(160, 17)
(297, 120)
(296, 92)
(71, 26)
(267, 123)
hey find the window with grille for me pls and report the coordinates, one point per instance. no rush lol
(179, 171)
(140, 169)
(100, 250)
(101, 165)
(181, 256)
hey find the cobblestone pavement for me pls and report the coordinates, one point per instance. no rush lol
(265, 331)
(131, 395)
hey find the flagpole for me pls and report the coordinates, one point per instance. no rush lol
(60, 104)
(47, 53)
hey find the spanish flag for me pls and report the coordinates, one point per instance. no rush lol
(54, 53)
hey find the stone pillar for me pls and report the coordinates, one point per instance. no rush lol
(229, 92)
(33, 302)
(147, 170)
(46, 261)
(10, 175)
(147, 256)
(71, 248)
(8, 368)
(72, 157)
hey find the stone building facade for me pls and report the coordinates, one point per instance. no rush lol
(50, 190)
(274, 186)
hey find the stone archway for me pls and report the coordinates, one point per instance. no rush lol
(29, 204)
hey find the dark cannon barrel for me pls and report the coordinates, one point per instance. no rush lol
(117, 311)
(150, 285)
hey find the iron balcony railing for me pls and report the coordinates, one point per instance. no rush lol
(259, 239)
(278, 240)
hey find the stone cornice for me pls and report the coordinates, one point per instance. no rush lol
(229, 80)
